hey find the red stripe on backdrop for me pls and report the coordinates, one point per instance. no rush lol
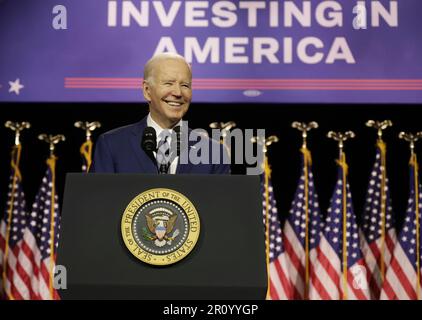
(254, 80)
(253, 87)
(267, 84)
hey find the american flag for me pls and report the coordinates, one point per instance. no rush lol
(401, 281)
(279, 286)
(301, 232)
(11, 232)
(40, 238)
(340, 267)
(379, 235)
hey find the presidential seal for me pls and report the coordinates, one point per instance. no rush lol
(160, 226)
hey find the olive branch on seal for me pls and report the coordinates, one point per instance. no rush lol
(146, 234)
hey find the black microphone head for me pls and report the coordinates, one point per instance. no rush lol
(149, 140)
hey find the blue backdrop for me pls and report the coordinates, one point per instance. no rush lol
(241, 51)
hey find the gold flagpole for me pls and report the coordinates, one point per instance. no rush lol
(344, 249)
(265, 143)
(304, 128)
(51, 162)
(86, 147)
(267, 224)
(17, 127)
(412, 138)
(341, 137)
(380, 126)
(418, 254)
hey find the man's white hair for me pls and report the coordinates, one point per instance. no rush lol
(160, 57)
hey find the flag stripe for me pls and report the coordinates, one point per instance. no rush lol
(403, 279)
(325, 261)
(388, 292)
(320, 291)
(31, 254)
(281, 282)
(294, 267)
(274, 289)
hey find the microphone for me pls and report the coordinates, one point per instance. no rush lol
(149, 140)
(149, 143)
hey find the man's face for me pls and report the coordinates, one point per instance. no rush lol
(170, 91)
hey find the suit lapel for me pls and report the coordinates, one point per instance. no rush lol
(146, 164)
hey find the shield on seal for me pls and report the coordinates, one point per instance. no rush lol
(160, 230)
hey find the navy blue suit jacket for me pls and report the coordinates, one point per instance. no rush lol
(120, 151)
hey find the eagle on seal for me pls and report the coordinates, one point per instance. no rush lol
(160, 222)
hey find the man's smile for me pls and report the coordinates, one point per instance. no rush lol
(174, 103)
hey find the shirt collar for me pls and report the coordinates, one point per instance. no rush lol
(158, 129)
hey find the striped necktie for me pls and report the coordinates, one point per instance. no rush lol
(163, 154)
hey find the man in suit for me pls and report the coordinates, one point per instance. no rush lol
(167, 87)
